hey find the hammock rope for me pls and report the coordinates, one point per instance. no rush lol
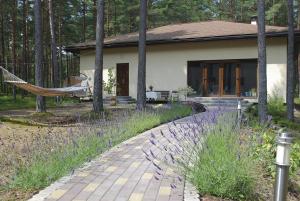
(75, 90)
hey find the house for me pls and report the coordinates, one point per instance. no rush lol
(215, 58)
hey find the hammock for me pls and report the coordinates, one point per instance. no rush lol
(75, 90)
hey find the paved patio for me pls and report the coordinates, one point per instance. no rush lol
(122, 173)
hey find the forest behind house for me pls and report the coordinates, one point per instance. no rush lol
(74, 21)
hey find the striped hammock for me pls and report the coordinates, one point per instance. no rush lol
(75, 90)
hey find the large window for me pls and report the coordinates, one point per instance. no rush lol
(223, 78)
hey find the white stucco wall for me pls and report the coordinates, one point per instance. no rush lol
(167, 64)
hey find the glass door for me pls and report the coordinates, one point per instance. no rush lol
(229, 79)
(213, 79)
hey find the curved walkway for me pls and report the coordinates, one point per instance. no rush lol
(120, 174)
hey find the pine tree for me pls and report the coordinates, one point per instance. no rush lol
(290, 62)
(98, 76)
(262, 94)
(40, 101)
(141, 85)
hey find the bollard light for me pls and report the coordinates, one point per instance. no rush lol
(239, 105)
(239, 111)
(284, 141)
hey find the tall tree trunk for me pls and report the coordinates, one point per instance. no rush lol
(290, 63)
(262, 95)
(84, 19)
(98, 77)
(25, 48)
(60, 46)
(55, 74)
(95, 16)
(40, 101)
(298, 27)
(141, 85)
(1, 46)
(107, 18)
(115, 17)
(14, 44)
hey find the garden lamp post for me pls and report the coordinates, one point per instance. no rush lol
(284, 141)
(239, 110)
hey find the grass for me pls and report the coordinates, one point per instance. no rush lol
(28, 102)
(224, 168)
(44, 166)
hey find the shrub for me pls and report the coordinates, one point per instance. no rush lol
(276, 105)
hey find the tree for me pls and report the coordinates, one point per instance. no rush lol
(14, 43)
(84, 20)
(290, 63)
(40, 101)
(141, 85)
(98, 76)
(25, 44)
(262, 94)
(55, 75)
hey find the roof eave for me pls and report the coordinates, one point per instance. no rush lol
(179, 40)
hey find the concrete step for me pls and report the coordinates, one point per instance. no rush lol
(223, 102)
(120, 100)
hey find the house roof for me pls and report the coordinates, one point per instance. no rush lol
(197, 31)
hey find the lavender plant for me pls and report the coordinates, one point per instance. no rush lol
(47, 157)
(206, 149)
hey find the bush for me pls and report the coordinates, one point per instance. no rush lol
(276, 105)
(224, 167)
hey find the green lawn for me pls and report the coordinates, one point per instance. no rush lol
(8, 103)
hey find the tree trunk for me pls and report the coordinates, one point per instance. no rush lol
(14, 55)
(98, 77)
(95, 16)
(84, 19)
(262, 95)
(1, 47)
(107, 19)
(40, 101)
(141, 87)
(55, 74)
(60, 46)
(290, 63)
(115, 17)
(25, 49)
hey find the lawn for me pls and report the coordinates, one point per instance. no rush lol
(28, 102)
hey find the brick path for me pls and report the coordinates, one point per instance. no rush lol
(120, 174)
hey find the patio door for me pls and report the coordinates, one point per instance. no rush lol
(213, 78)
(230, 77)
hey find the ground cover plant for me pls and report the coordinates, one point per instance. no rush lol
(45, 159)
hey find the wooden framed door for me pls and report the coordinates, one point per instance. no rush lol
(238, 79)
(205, 80)
(123, 79)
(221, 80)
